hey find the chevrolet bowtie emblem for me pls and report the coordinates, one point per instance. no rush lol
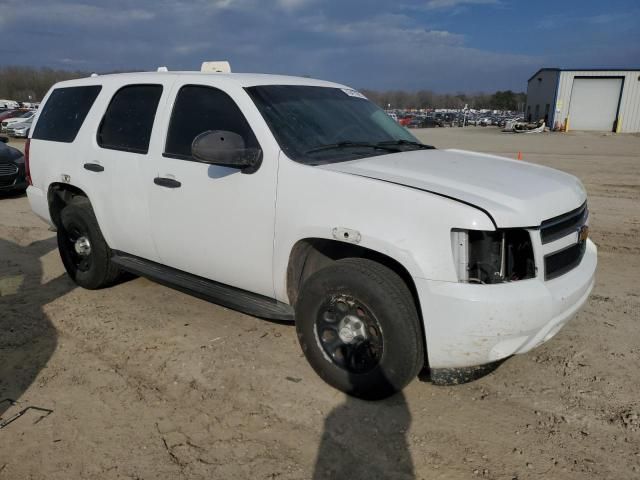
(583, 233)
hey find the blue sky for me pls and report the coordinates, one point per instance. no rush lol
(442, 45)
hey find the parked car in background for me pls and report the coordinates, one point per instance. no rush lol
(9, 104)
(29, 114)
(12, 168)
(10, 113)
(486, 122)
(429, 122)
(20, 129)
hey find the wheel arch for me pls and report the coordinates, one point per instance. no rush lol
(59, 195)
(312, 254)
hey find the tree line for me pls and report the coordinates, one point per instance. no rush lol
(26, 84)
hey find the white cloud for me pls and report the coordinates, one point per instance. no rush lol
(381, 29)
(294, 4)
(186, 49)
(446, 4)
(69, 13)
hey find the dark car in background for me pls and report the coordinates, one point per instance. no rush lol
(10, 113)
(12, 168)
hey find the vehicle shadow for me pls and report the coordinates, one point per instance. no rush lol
(366, 440)
(27, 336)
(13, 194)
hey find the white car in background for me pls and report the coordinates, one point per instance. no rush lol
(21, 118)
(20, 129)
(298, 199)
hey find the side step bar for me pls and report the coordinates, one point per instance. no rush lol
(234, 298)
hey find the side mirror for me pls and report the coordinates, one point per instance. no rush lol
(227, 149)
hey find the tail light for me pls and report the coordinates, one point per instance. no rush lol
(27, 170)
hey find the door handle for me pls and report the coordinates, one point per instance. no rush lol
(94, 167)
(167, 182)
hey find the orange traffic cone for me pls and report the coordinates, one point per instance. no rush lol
(519, 155)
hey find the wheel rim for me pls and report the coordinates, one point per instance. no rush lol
(79, 247)
(349, 334)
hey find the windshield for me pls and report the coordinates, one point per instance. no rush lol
(316, 125)
(25, 115)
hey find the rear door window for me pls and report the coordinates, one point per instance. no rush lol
(128, 121)
(65, 111)
(199, 109)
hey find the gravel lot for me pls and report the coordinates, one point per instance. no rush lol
(146, 382)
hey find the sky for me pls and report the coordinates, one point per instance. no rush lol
(441, 45)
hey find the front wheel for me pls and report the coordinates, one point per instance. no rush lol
(359, 329)
(84, 251)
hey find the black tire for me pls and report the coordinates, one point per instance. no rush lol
(94, 270)
(357, 290)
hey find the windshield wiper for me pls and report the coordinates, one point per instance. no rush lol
(410, 143)
(347, 144)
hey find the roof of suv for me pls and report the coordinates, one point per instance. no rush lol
(239, 79)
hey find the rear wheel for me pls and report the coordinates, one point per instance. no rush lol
(84, 251)
(359, 329)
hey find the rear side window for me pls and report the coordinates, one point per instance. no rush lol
(128, 121)
(65, 111)
(198, 109)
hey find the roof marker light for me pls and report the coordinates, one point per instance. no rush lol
(216, 67)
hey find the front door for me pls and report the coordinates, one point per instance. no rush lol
(213, 221)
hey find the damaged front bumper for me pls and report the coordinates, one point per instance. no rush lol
(468, 325)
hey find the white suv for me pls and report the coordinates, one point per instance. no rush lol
(298, 199)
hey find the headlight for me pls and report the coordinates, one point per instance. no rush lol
(492, 257)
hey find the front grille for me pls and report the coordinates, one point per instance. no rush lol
(8, 174)
(563, 225)
(561, 262)
(8, 169)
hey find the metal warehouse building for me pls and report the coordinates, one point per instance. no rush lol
(600, 100)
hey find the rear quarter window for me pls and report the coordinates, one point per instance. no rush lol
(65, 111)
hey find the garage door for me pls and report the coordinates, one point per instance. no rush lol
(594, 103)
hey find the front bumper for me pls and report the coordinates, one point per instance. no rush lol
(15, 181)
(469, 324)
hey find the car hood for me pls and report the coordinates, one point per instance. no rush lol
(514, 193)
(9, 154)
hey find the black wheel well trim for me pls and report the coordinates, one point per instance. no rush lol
(59, 195)
(309, 255)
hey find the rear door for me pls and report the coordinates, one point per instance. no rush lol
(116, 163)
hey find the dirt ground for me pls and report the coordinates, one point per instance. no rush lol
(149, 383)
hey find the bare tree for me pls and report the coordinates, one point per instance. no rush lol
(31, 84)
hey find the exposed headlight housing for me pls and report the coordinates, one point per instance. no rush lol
(493, 257)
